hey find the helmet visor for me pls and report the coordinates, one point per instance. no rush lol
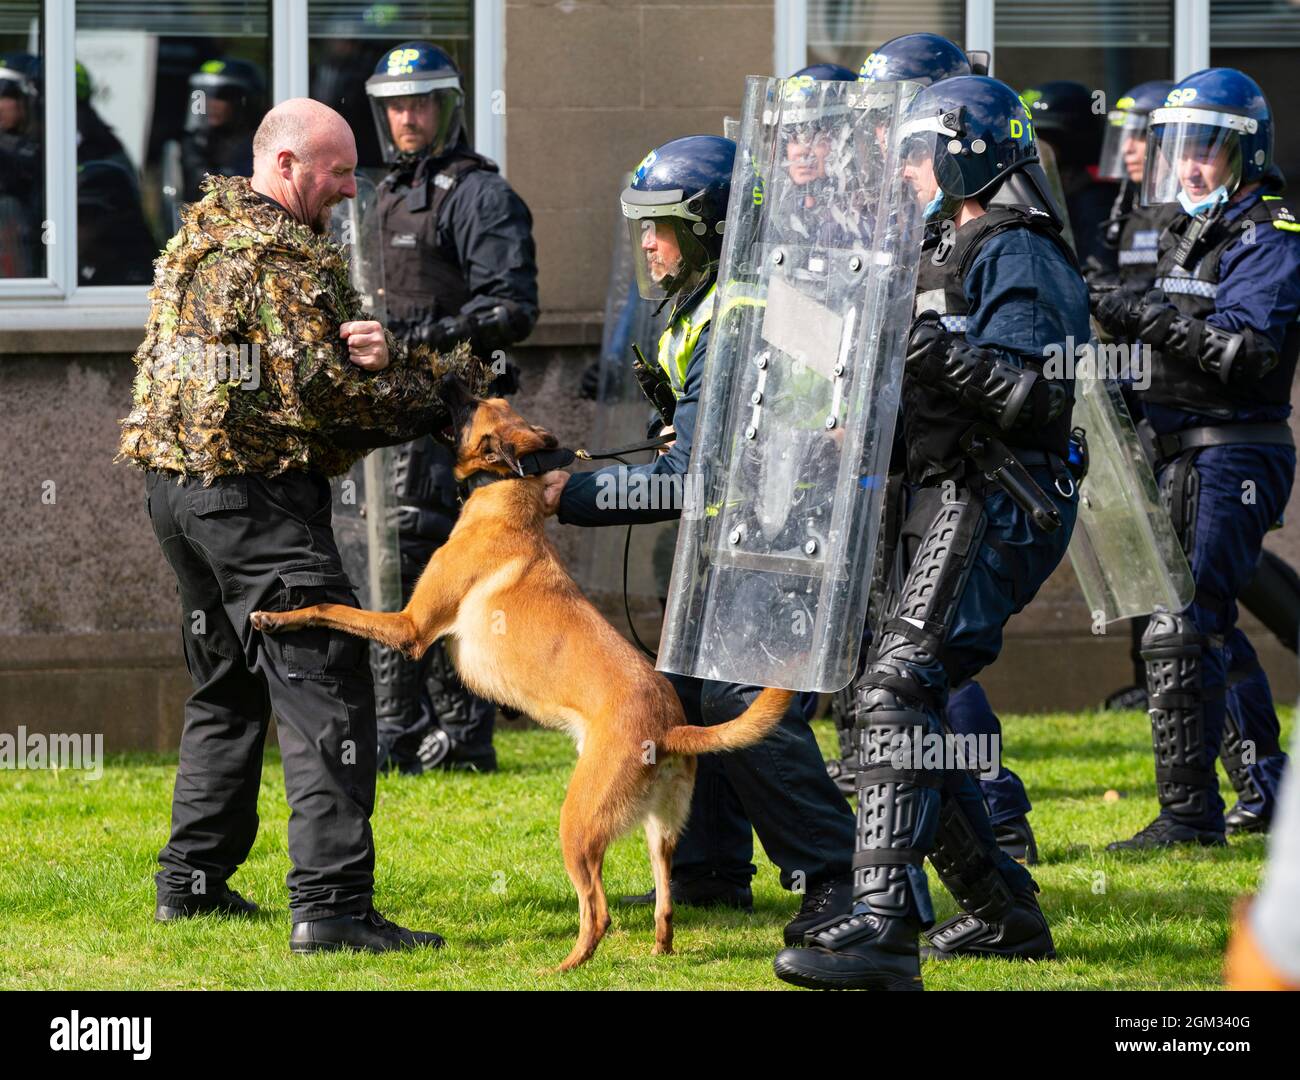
(415, 123)
(929, 169)
(665, 236)
(1124, 148)
(1193, 156)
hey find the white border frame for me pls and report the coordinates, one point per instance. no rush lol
(57, 301)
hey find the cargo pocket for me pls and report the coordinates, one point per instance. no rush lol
(318, 653)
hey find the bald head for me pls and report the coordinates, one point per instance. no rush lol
(304, 156)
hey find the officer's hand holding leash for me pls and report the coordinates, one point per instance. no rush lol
(367, 347)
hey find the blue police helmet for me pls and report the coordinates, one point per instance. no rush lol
(416, 68)
(978, 132)
(1146, 96)
(688, 179)
(827, 73)
(1223, 93)
(923, 58)
(686, 183)
(415, 62)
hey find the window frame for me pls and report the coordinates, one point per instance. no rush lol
(59, 301)
(1191, 33)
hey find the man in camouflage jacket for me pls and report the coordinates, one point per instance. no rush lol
(258, 378)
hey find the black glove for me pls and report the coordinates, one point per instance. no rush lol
(589, 385)
(1117, 311)
(928, 340)
(440, 334)
(503, 382)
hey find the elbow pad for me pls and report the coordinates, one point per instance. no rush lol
(1009, 396)
(1233, 357)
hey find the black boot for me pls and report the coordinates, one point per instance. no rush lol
(1021, 933)
(1238, 821)
(1016, 838)
(1185, 782)
(710, 892)
(1167, 832)
(821, 903)
(858, 952)
(224, 901)
(366, 932)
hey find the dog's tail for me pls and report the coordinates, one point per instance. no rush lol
(745, 730)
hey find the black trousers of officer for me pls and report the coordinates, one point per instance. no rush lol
(779, 785)
(243, 544)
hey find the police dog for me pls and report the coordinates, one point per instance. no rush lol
(520, 632)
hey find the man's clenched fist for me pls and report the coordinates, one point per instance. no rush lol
(366, 345)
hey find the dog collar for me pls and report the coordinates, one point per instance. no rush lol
(529, 464)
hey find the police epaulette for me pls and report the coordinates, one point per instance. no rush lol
(1281, 214)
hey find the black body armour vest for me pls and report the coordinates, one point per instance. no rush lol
(1138, 249)
(422, 277)
(933, 421)
(1194, 293)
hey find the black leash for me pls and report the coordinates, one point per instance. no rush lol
(615, 454)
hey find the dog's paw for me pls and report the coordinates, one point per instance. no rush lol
(266, 621)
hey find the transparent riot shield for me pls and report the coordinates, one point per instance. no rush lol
(1124, 550)
(366, 539)
(622, 414)
(800, 393)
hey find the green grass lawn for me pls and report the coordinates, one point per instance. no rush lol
(477, 859)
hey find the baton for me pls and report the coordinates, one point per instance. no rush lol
(1000, 465)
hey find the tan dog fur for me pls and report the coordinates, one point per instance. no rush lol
(521, 633)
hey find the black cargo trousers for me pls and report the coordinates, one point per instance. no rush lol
(243, 544)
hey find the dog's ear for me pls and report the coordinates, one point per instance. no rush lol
(501, 452)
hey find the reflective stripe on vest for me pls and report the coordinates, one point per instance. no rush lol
(1184, 285)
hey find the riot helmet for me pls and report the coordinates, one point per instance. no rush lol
(1063, 115)
(826, 73)
(1123, 151)
(676, 210)
(234, 94)
(967, 137)
(20, 75)
(1213, 133)
(920, 58)
(416, 88)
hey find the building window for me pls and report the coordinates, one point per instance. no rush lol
(844, 31)
(166, 93)
(22, 151)
(346, 41)
(1262, 38)
(1108, 45)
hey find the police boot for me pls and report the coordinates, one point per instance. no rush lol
(1241, 818)
(856, 952)
(1185, 781)
(995, 922)
(821, 903)
(876, 946)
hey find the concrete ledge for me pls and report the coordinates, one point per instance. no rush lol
(92, 337)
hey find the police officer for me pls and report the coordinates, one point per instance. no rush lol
(114, 243)
(21, 198)
(459, 266)
(928, 58)
(1064, 119)
(973, 550)
(1273, 593)
(1221, 327)
(218, 138)
(677, 207)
